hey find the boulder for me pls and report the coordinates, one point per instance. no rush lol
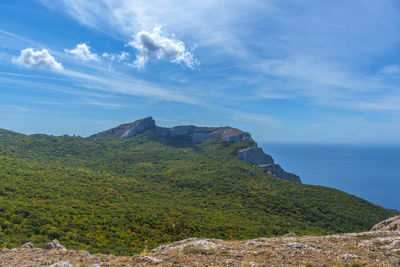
(391, 224)
(54, 245)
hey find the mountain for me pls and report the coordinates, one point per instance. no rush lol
(141, 185)
(196, 135)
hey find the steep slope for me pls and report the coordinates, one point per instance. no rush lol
(120, 195)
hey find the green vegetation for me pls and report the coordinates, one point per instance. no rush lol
(121, 196)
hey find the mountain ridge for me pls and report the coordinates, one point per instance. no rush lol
(197, 134)
(252, 154)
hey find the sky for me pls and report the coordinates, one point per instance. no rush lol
(283, 70)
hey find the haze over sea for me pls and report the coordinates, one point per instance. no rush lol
(371, 172)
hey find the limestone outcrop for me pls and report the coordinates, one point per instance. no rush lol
(256, 156)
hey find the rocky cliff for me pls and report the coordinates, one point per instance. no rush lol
(256, 156)
(252, 154)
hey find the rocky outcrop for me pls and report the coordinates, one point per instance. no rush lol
(197, 243)
(196, 135)
(277, 171)
(391, 224)
(128, 129)
(256, 156)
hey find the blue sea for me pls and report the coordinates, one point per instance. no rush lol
(371, 172)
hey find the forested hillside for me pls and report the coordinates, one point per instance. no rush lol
(115, 195)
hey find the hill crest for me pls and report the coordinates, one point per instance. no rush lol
(197, 135)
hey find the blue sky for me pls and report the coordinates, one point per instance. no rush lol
(286, 71)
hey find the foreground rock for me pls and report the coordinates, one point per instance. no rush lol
(378, 248)
(391, 224)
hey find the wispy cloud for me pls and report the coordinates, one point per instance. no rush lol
(10, 108)
(390, 70)
(117, 82)
(82, 51)
(323, 62)
(123, 56)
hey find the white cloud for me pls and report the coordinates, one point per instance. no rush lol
(155, 45)
(115, 57)
(82, 51)
(37, 59)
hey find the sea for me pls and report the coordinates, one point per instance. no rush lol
(371, 172)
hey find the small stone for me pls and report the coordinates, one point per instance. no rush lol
(346, 257)
(62, 264)
(85, 252)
